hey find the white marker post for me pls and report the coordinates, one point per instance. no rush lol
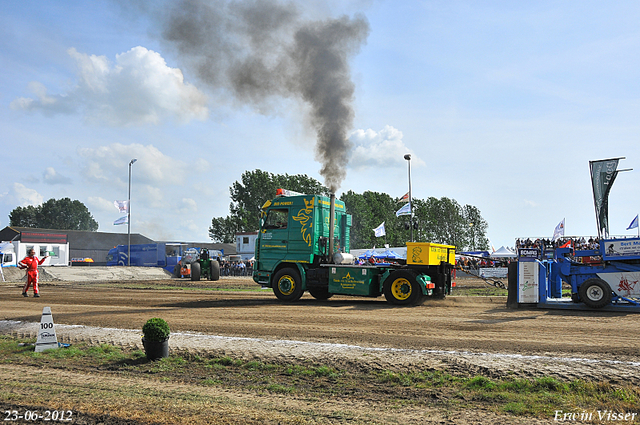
(46, 333)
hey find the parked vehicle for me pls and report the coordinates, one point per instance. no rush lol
(165, 255)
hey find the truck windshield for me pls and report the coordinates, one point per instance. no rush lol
(277, 219)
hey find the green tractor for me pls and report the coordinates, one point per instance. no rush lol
(204, 266)
(200, 263)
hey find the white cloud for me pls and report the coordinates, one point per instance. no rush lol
(383, 149)
(51, 176)
(24, 196)
(139, 89)
(152, 167)
(100, 204)
(188, 206)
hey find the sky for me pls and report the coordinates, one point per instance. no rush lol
(502, 104)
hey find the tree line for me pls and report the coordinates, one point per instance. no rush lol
(60, 214)
(436, 220)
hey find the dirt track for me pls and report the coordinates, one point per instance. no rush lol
(480, 332)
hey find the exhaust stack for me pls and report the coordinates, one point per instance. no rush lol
(332, 220)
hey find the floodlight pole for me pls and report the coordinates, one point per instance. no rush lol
(129, 217)
(408, 158)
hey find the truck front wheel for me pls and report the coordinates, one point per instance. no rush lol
(595, 293)
(287, 285)
(402, 288)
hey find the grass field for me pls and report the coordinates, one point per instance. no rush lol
(123, 386)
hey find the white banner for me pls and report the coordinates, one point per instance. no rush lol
(380, 230)
(501, 272)
(559, 230)
(528, 282)
(122, 206)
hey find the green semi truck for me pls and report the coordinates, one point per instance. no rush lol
(303, 245)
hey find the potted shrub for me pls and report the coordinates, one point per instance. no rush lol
(156, 338)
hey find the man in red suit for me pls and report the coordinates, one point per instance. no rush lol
(31, 263)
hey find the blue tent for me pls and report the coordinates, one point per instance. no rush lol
(389, 254)
(367, 254)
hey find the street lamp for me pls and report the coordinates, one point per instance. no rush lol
(408, 158)
(129, 217)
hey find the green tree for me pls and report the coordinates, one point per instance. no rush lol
(367, 212)
(436, 220)
(24, 216)
(224, 229)
(370, 209)
(440, 221)
(62, 214)
(250, 193)
(477, 228)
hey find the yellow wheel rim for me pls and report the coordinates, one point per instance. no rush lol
(286, 285)
(401, 289)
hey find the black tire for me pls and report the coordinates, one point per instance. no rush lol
(287, 285)
(214, 270)
(402, 288)
(195, 271)
(176, 271)
(320, 293)
(595, 293)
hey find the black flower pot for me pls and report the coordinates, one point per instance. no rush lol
(156, 350)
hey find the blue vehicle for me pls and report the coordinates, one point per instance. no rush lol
(605, 278)
(165, 255)
(613, 279)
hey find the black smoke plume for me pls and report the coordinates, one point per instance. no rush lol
(257, 50)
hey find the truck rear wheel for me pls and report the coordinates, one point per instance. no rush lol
(195, 271)
(402, 288)
(214, 270)
(287, 285)
(595, 293)
(320, 293)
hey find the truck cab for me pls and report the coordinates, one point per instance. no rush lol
(294, 233)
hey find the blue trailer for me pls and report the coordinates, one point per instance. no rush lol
(165, 255)
(607, 278)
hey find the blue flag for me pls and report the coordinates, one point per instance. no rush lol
(634, 224)
(121, 220)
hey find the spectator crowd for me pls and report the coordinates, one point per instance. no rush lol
(236, 268)
(547, 244)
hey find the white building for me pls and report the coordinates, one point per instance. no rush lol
(55, 246)
(246, 244)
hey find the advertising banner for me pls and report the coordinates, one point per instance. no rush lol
(620, 249)
(603, 173)
(528, 281)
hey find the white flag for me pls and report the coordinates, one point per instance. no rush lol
(122, 206)
(559, 230)
(121, 220)
(405, 210)
(380, 230)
